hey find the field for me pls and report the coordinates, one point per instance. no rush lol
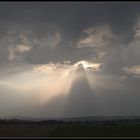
(25, 131)
(97, 131)
(69, 129)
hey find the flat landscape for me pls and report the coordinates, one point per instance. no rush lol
(71, 129)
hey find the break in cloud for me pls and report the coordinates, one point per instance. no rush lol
(41, 45)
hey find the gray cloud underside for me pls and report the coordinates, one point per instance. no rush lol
(40, 33)
(37, 20)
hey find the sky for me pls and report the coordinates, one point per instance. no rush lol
(67, 59)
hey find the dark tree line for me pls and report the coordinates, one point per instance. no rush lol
(62, 122)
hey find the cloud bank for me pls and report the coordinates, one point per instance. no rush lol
(41, 45)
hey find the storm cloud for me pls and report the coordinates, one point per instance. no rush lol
(42, 43)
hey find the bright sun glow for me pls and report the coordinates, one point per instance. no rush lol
(87, 64)
(47, 80)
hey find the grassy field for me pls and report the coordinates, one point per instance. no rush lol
(97, 131)
(70, 130)
(25, 130)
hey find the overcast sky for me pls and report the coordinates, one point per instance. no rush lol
(41, 45)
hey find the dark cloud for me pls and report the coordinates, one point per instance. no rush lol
(44, 32)
(71, 19)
